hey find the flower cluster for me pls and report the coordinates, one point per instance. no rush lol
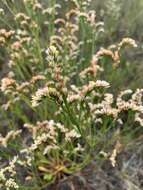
(7, 175)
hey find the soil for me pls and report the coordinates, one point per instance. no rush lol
(127, 175)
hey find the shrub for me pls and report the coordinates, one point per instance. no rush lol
(58, 107)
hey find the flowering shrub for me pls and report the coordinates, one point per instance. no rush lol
(59, 110)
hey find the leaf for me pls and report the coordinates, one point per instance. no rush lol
(48, 177)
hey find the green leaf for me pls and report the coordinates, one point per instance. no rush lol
(48, 177)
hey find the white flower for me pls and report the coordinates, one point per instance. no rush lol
(128, 41)
(38, 96)
(72, 134)
(10, 183)
(102, 83)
